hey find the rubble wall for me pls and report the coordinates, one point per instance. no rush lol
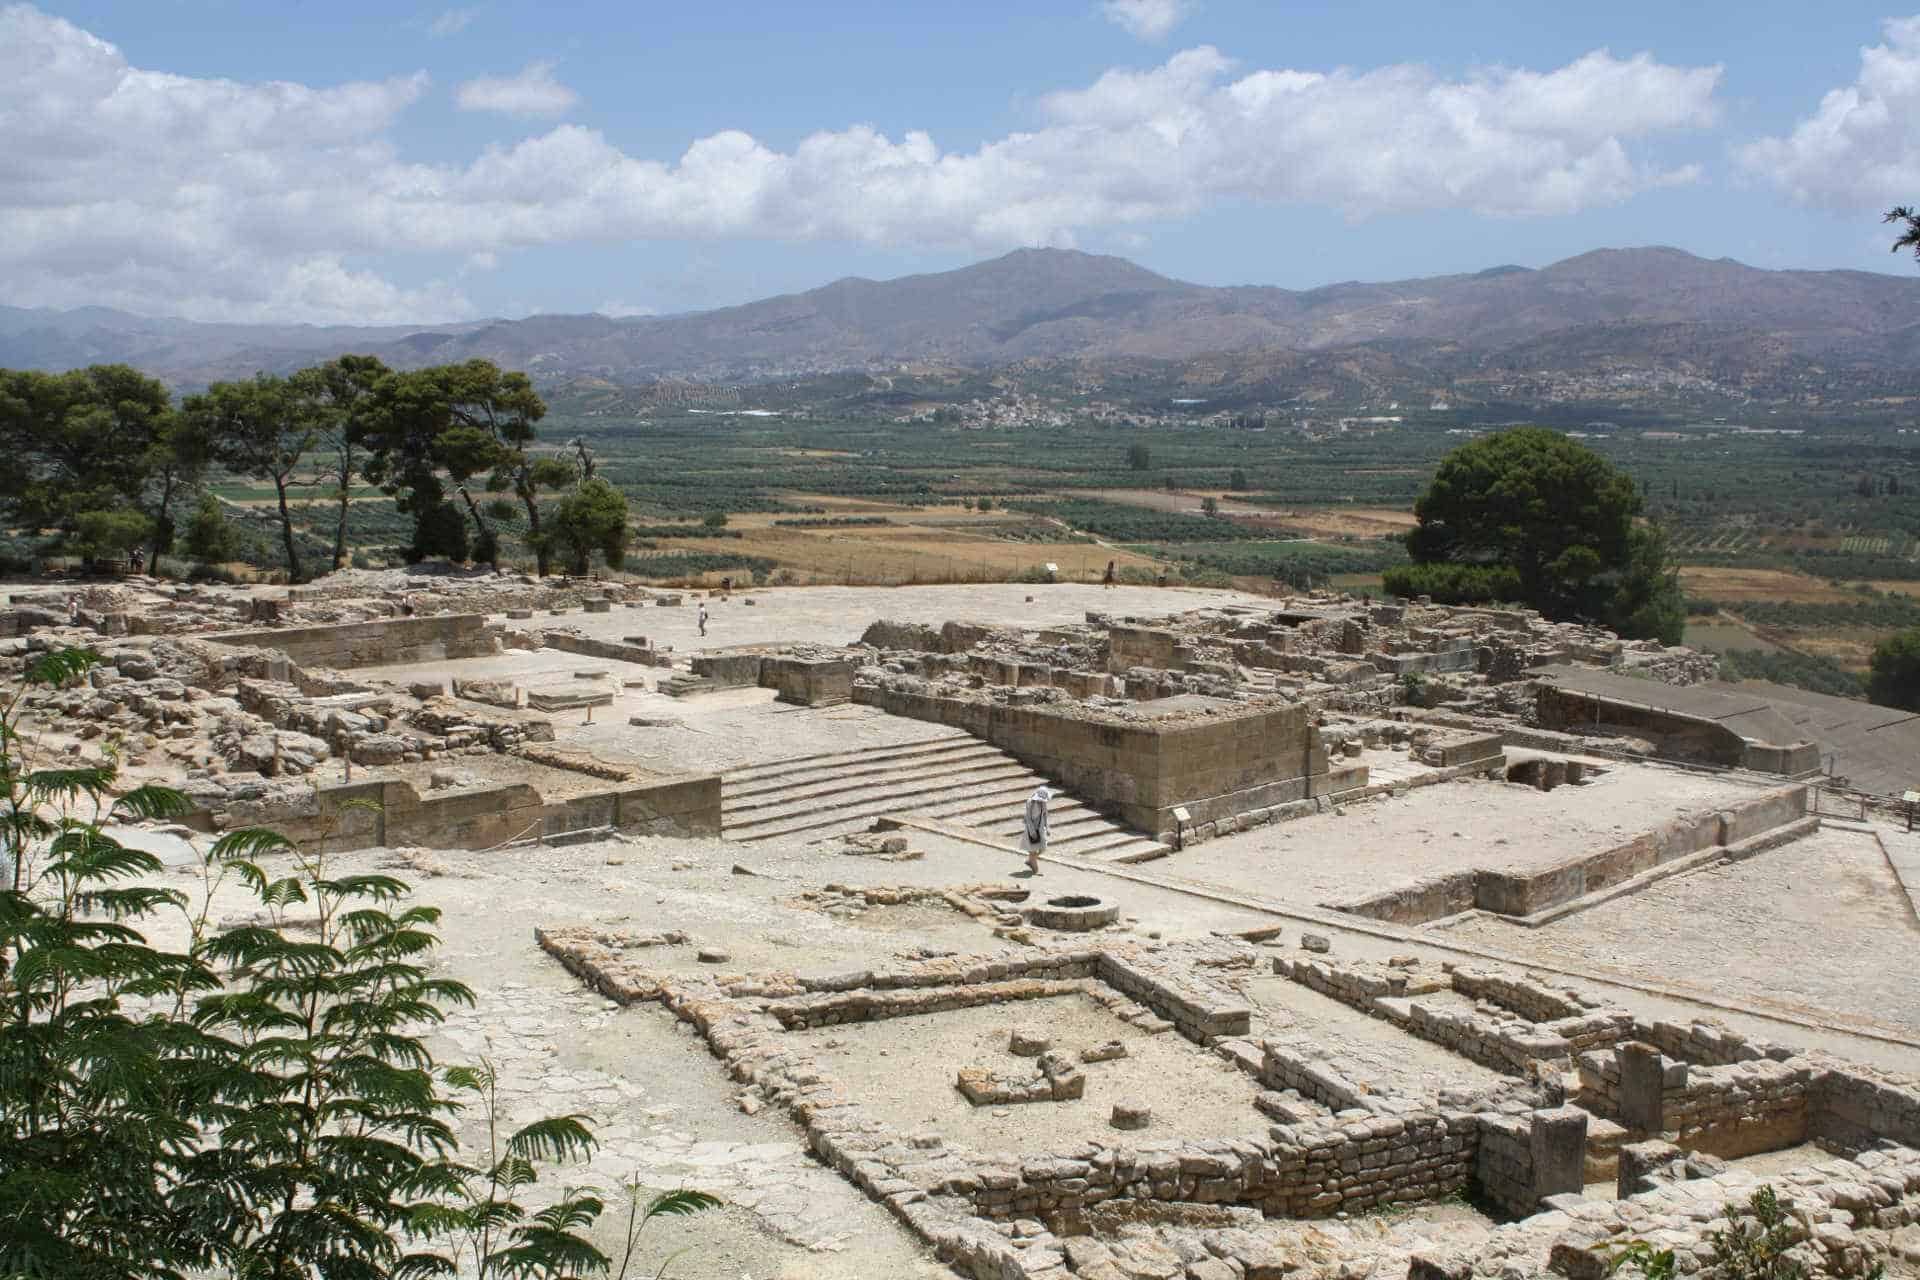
(378, 643)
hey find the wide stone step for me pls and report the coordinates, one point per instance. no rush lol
(1087, 843)
(824, 759)
(853, 816)
(1059, 825)
(989, 805)
(902, 784)
(932, 761)
(954, 779)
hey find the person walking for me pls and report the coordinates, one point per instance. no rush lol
(1108, 581)
(1036, 827)
(703, 617)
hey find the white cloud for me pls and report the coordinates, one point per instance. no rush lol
(452, 22)
(158, 192)
(1147, 19)
(532, 91)
(1860, 149)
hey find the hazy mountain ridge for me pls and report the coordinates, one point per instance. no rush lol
(1589, 314)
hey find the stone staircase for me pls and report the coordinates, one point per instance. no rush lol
(953, 779)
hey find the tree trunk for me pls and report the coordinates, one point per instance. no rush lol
(346, 495)
(542, 554)
(480, 527)
(286, 531)
(162, 521)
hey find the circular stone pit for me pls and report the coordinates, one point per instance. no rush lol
(1075, 913)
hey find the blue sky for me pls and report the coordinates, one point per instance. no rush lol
(346, 161)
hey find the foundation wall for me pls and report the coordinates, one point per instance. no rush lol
(382, 642)
(1216, 766)
(1141, 647)
(1525, 893)
(1687, 737)
(808, 682)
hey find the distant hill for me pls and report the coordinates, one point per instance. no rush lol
(1605, 310)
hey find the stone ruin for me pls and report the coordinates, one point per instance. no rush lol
(1592, 1093)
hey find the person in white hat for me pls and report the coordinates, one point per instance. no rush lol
(1036, 824)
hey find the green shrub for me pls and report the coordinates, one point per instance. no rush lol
(259, 1103)
(1454, 583)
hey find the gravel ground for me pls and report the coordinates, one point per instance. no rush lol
(1817, 928)
(902, 1070)
(837, 615)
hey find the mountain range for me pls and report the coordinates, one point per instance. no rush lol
(1596, 315)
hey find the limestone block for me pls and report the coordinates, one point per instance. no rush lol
(1026, 1042)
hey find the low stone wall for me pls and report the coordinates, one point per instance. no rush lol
(809, 682)
(615, 650)
(1517, 1045)
(728, 670)
(1528, 892)
(1199, 1012)
(1855, 1108)
(915, 636)
(1283, 1069)
(389, 813)
(378, 643)
(1726, 1111)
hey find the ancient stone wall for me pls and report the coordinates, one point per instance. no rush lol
(1855, 1108)
(808, 682)
(1526, 893)
(392, 812)
(382, 642)
(1218, 761)
(1131, 646)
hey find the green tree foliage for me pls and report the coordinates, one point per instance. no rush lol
(264, 428)
(345, 386)
(1237, 481)
(1787, 666)
(714, 520)
(1210, 506)
(1139, 457)
(1454, 583)
(259, 1104)
(210, 537)
(1562, 519)
(1893, 678)
(110, 533)
(474, 423)
(1909, 223)
(439, 530)
(77, 443)
(591, 518)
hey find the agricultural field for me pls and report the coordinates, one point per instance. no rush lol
(1735, 586)
(1830, 517)
(1300, 562)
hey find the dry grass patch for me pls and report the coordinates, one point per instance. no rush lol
(1714, 582)
(891, 556)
